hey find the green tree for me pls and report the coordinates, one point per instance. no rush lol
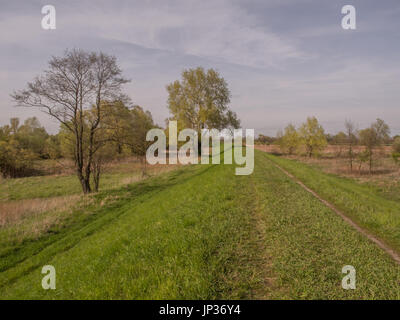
(15, 161)
(396, 144)
(374, 136)
(117, 124)
(369, 139)
(33, 136)
(312, 136)
(382, 131)
(339, 140)
(127, 128)
(289, 140)
(52, 147)
(142, 122)
(396, 150)
(200, 100)
(20, 146)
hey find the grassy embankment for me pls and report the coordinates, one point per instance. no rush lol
(202, 232)
(371, 207)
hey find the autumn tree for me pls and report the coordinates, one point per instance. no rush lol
(73, 84)
(312, 136)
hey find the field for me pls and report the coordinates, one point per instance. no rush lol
(200, 232)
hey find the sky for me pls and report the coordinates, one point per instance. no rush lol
(284, 60)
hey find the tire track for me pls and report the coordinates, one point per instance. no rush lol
(393, 254)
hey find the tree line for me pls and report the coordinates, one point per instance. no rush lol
(83, 92)
(310, 139)
(122, 133)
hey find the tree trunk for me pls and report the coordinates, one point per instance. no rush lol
(144, 167)
(96, 176)
(370, 163)
(351, 158)
(85, 183)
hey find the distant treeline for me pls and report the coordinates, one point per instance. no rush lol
(310, 139)
(122, 133)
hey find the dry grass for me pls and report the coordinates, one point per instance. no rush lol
(385, 173)
(30, 218)
(382, 166)
(12, 212)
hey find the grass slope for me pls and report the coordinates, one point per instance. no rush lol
(203, 233)
(309, 244)
(175, 236)
(365, 204)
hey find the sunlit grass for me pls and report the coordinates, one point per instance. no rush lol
(201, 232)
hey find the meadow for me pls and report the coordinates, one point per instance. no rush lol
(200, 232)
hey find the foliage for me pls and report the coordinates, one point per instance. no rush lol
(351, 135)
(396, 150)
(396, 145)
(200, 100)
(15, 161)
(312, 136)
(375, 135)
(339, 138)
(263, 139)
(20, 146)
(289, 140)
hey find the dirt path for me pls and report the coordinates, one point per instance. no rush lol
(393, 254)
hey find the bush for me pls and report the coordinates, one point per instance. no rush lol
(14, 160)
(396, 145)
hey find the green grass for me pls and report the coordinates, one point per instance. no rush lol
(52, 186)
(365, 204)
(203, 233)
(174, 236)
(309, 244)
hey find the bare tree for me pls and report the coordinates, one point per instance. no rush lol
(351, 133)
(374, 136)
(73, 84)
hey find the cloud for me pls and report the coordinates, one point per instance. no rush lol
(283, 60)
(217, 30)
